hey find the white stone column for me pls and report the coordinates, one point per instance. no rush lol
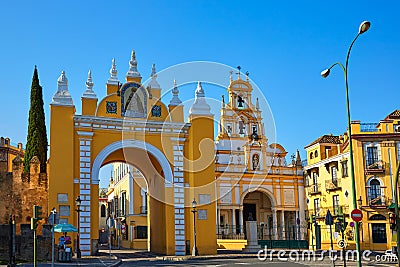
(131, 192)
(233, 221)
(85, 181)
(179, 198)
(282, 223)
(241, 220)
(301, 210)
(144, 200)
(274, 224)
(218, 221)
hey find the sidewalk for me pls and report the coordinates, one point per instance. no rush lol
(101, 261)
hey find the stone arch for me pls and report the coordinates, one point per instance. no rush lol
(373, 178)
(260, 189)
(97, 163)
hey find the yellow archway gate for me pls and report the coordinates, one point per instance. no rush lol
(131, 124)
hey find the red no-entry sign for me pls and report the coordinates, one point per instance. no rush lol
(356, 215)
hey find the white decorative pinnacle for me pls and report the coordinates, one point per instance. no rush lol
(113, 72)
(133, 72)
(200, 106)
(153, 84)
(62, 96)
(89, 93)
(175, 101)
(199, 90)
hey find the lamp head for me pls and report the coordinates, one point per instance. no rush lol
(78, 201)
(325, 73)
(194, 203)
(364, 26)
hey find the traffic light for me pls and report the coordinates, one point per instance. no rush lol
(37, 212)
(34, 223)
(392, 220)
(341, 224)
(37, 216)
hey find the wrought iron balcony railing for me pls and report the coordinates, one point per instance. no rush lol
(314, 189)
(333, 184)
(372, 166)
(321, 212)
(380, 200)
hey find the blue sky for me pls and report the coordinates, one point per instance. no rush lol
(283, 44)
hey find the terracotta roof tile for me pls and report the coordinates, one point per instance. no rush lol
(326, 139)
(394, 115)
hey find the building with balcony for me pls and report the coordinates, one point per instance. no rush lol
(127, 207)
(327, 187)
(376, 155)
(376, 151)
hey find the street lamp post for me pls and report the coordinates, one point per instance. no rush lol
(396, 208)
(53, 216)
(78, 203)
(194, 250)
(362, 29)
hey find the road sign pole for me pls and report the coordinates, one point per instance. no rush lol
(34, 247)
(333, 259)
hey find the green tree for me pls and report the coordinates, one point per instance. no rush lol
(36, 142)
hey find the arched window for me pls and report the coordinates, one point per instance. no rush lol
(375, 192)
(242, 127)
(240, 102)
(311, 155)
(316, 153)
(103, 211)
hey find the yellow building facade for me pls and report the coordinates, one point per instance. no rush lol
(328, 187)
(376, 155)
(127, 206)
(376, 151)
(132, 125)
(253, 180)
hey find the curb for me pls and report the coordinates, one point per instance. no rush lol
(118, 263)
(184, 258)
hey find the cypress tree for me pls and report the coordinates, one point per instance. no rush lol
(36, 142)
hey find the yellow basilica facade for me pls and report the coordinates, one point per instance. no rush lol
(254, 183)
(131, 125)
(162, 164)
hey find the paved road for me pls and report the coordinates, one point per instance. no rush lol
(208, 263)
(127, 258)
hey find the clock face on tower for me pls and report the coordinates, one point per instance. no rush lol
(133, 100)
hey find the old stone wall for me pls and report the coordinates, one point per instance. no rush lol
(24, 243)
(19, 192)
